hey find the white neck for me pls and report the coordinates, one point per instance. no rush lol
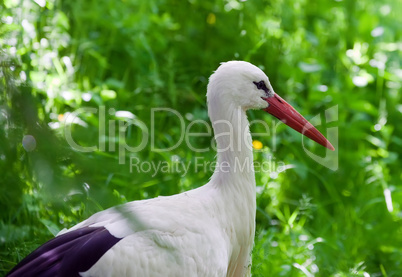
(234, 179)
(235, 156)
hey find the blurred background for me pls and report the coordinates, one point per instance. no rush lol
(130, 56)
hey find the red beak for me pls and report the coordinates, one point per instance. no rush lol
(288, 115)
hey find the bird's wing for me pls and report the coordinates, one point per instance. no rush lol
(67, 254)
(166, 236)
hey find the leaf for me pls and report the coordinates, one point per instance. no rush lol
(51, 226)
(108, 94)
(376, 141)
(309, 68)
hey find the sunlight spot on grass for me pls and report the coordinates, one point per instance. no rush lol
(8, 19)
(54, 125)
(23, 76)
(12, 41)
(303, 269)
(125, 114)
(232, 5)
(303, 237)
(73, 119)
(309, 67)
(86, 97)
(388, 200)
(314, 268)
(41, 3)
(67, 61)
(385, 10)
(29, 28)
(378, 31)
(285, 167)
(12, 51)
(377, 64)
(44, 43)
(273, 175)
(323, 88)
(67, 95)
(360, 81)
(274, 222)
(86, 187)
(189, 116)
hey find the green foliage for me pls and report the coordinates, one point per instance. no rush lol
(59, 56)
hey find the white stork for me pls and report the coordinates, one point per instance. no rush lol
(208, 231)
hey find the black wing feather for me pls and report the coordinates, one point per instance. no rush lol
(67, 255)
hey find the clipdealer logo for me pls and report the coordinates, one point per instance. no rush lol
(108, 128)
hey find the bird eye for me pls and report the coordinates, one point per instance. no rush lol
(260, 85)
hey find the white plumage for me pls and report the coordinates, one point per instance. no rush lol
(208, 231)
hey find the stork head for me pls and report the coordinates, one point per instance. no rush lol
(244, 85)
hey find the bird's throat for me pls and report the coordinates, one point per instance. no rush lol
(234, 147)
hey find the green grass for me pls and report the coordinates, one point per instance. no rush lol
(138, 55)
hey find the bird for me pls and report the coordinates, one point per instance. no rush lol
(207, 231)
